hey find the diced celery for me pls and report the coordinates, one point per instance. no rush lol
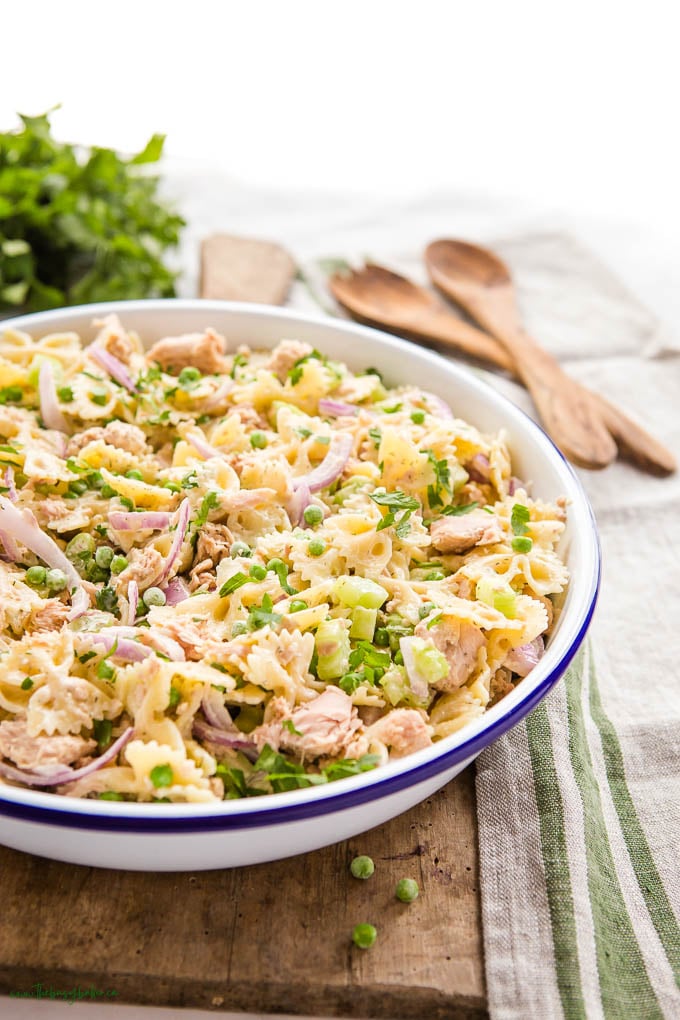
(429, 661)
(498, 595)
(395, 685)
(332, 648)
(359, 591)
(363, 623)
(459, 476)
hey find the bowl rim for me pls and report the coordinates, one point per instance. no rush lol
(47, 808)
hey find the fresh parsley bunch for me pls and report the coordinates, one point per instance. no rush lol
(79, 225)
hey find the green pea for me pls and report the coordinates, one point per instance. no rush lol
(297, 605)
(381, 637)
(258, 572)
(364, 935)
(172, 486)
(107, 492)
(362, 867)
(153, 597)
(80, 548)
(104, 556)
(313, 515)
(161, 775)
(317, 547)
(110, 795)
(27, 683)
(258, 440)
(99, 398)
(407, 890)
(35, 576)
(134, 473)
(78, 487)
(417, 417)
(56, 580)
(426, 609)
(118, 564)
(240, 549)
(188, 376)
(65, 394)
(398, 658)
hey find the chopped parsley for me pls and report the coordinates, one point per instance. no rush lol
(442, 481)
(376, 436)
(235, 582)
(261, 616)
(289, 725)
(101, 730)
(395, 501)
(107, 601)
(458, 511)
(27, 683)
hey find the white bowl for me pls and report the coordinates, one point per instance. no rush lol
(176, 837)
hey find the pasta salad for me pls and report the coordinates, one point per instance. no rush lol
(234, 573)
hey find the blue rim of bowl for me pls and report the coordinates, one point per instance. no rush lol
(349, 793)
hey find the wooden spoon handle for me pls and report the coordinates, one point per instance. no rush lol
(570, 417)
(453, 332)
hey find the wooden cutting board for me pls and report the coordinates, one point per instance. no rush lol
(271, 938)
(274, 937)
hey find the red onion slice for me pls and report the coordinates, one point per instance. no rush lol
(22, 526)
(176, 591)
(331, 467)
(10, 546)
(47, 392)
(57, 775)
(235, 741)
(9, 482)
(200, 443)
(220, 394)
(523, 659)
(479, 468)
(417, 681)
(336, 408)
(124, 648)
(115, 368)
(167, 646)
(298, 502)
(133, 601)
(183, 515)
(145, 520)
(216, 712)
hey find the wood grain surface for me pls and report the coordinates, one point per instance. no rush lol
(271, 938)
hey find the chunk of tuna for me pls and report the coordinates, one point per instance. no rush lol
(459, 534)
(325, 726)
(28, 752)
(460, 642)
(285, 355)
(403, 730)
(204, 351)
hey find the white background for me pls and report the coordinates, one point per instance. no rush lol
(566, 110)
(574, 104)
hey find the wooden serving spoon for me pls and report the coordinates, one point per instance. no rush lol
(376, 295)
(480, 282)
(379, 296)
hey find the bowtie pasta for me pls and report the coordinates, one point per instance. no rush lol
(233, 573)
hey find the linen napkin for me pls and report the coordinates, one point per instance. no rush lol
(579, 806)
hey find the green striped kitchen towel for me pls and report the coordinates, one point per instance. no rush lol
(579, 806)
